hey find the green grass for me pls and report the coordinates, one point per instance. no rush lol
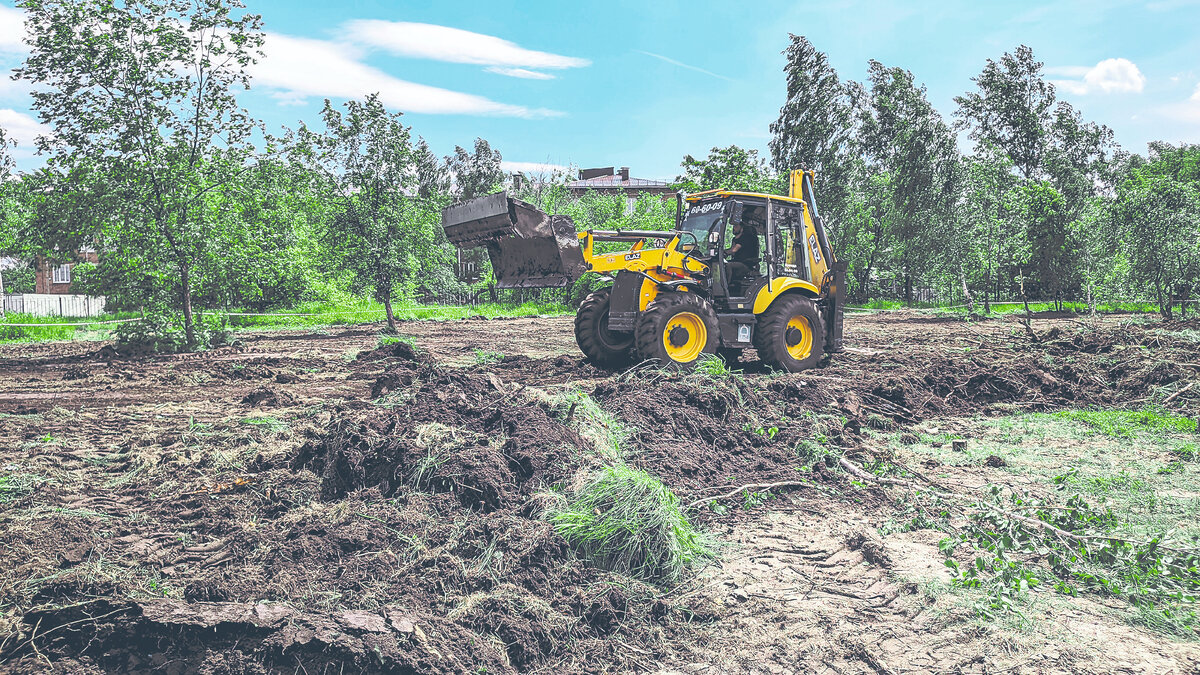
(16, 485)
(607, 434)
(362, 311)
(1126, 423)
(1005, 308)
(352, 312)
(1120, 473)
(93, 331)
(627, 521)
(483, 357)
(268, 424)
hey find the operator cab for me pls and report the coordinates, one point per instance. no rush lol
(772, 244)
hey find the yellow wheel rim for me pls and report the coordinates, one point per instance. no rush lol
(798, 336)
(684, 337)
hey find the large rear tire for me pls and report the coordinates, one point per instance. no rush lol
(676, 329)
(790, 335)
(609, 349)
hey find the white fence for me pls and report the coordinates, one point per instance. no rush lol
(44, 304)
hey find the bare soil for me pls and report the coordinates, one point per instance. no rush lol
(310, 502)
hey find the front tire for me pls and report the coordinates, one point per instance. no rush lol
(676, 329)
(605, 348)
(790, 335)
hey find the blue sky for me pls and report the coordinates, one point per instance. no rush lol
(640, 84)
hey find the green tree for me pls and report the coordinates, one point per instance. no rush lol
(475, 173)
(140, 97)
(731, 168)
(1052, 254)
(815, 128)
(1157, 212)
(433, 175)
(1011, 109)
(864, 235)
(382, 231)
(991, 207)
(1079, 158)
(902, 135)
(8, 237)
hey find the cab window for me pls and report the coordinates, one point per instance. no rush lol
(789, 241)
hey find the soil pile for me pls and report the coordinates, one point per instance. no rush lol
(403, 535)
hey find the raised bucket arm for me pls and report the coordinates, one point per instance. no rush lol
(528, 248)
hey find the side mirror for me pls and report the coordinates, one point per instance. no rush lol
(735, 212)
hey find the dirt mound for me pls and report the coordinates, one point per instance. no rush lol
(696, 433)
(398, 350)
(225, 637)
(471, 435)
(269, 397)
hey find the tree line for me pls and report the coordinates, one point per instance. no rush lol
(194, 205)
(1045, 205)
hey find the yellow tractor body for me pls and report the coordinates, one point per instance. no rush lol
(678, 295)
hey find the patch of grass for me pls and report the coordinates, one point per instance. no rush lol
(92, 331)
(16, 485)
(351, 311)
(483, 357)
(1125, 423)
(607, 434)
(388, 340)
(268, 424)
(627, 521)
(713, 366)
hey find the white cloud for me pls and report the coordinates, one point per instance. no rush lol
(12, 31)
(533, 167)
(1110, 76)
(20, 127)
(301, 67)
(520, 72)
(454, 45)
(1196, 94)
(681, 64)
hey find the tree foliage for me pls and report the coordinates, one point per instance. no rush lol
(140, 102)
(1011, 109)
(381, 229)
(475, 173)
(730, 168)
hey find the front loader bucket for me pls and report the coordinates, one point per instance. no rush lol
(528, 248)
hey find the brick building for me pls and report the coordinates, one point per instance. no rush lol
(52, 279)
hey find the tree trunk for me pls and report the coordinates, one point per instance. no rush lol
(908, 289)
(391, 318)
(1091, 300)
(1, 294)
(1027, 320)
(189, 327)
(962, 277)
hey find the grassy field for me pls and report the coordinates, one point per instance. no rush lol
(1118, 475)
(1004, 308)
(306, 315)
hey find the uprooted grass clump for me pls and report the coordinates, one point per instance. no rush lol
(627, 521)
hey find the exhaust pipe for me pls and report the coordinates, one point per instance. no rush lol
(527, 247)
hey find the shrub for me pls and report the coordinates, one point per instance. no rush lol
(627, 521)
(163, 333)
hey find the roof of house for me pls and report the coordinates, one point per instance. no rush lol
(616, 181)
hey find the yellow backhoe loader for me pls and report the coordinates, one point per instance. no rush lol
(739, 270)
